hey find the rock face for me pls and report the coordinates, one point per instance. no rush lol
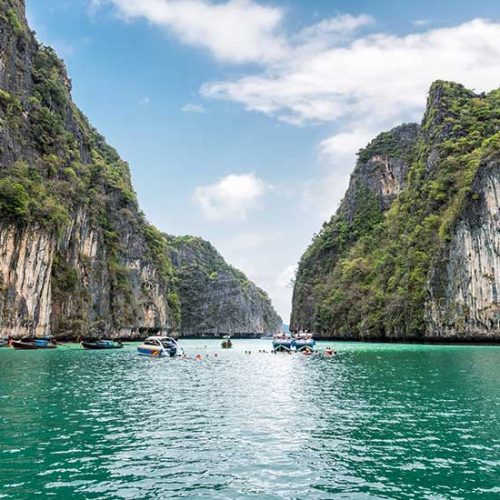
(77, 256)
(416, 255)
(377, 180)
(464, 284)
(215, 297)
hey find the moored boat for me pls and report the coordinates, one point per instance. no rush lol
(282, 342)
(33, 343)
(303, 341)
(4, 342)
(226, 343)
(101, 344)
(158, 347)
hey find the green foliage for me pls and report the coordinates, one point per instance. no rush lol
(14, 22)
(64, 277)
(26, 197)
(14, 200)
(10, 103)
(158, 251)
(174, 304)
(377, 266)
(49, 76)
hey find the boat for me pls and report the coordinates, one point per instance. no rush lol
(158, 347)
(282, 342)
(226, 343)
(33, 343)
(303, 340)
(101, 344)
(4, 342)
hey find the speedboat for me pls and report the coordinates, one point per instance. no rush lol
(282, 342)
(304, 341)
(159, 347)
(101, 344)
(226, 343)
(33, 343)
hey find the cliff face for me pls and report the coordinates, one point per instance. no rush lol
(215, 297)
(464, 282)
(377, 180)
(425, 266)
(77, 256)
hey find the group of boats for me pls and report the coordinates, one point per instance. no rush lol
(302, 341)
(158, 346)
(155, 346)
(29, 343)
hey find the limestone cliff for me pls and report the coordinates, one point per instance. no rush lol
(77, 256)
(377, 180)
(215, 297)
(422, 263)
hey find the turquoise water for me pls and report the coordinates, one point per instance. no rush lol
(376, 421)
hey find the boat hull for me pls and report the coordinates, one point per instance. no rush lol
(156, 353)
(17, 344)
(285, 345)
(304, 344)
(99, 346)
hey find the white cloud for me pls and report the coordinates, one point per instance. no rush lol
(144, 101)
(231, 198)
(364, 86)
(235, 31)
(380, 77)
(332, 30)
(193, 108)
(344, 144)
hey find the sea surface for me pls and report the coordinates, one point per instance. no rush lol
(376, 421)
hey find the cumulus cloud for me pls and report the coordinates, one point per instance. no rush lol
(231, 198)
(235, 31)
(193, 108)
(371, 83)
(362, 86)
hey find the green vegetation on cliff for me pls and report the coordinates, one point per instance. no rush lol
(215, 297)
(376, 287)
(101, 268)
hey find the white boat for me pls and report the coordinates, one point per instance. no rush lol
(282, 342)
(158, 347)
(303, 341)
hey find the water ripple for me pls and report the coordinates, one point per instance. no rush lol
(377, 421)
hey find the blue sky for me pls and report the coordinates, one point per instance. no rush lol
(241, 119)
